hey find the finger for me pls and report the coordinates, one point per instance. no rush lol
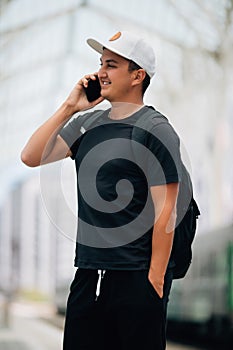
(84, 81)
(92, 76)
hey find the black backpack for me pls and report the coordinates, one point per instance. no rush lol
(187, 208)
(185, 229)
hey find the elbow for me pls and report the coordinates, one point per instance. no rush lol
(28, 160)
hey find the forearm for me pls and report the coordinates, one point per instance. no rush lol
(161, 250)
(164, 198)
(43, 139)
(42, 142)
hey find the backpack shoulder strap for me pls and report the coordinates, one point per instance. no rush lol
(146, 122)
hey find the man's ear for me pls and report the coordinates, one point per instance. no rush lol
(138, 76)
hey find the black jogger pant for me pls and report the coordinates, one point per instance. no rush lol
(128, 314)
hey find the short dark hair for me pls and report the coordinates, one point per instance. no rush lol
(146, 82)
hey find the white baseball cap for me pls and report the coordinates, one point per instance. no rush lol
(128, 46)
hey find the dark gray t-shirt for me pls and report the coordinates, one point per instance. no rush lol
(114, 176)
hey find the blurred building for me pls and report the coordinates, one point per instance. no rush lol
(43, 54)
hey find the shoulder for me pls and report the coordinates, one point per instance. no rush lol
(154, 123)
(86, 115)
(154, 117)
(73, 129)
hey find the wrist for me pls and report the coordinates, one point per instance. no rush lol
(157, 272)
(68, 109)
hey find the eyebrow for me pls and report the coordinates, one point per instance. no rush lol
(110, 60)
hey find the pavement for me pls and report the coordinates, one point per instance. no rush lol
(26, 328)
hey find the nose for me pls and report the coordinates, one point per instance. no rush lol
(102, 73)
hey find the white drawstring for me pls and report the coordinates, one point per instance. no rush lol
(100, 277)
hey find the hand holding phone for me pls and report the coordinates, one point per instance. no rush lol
(93, 89)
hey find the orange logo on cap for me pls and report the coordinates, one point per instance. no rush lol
(115, 36)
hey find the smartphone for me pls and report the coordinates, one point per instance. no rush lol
(93, 89)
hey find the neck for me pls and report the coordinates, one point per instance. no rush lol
(121, 110)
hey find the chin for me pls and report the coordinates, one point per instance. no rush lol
(105, 95)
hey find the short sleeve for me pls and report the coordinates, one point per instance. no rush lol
(71, 133)
(164, 160)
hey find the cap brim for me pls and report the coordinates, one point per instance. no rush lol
(96, 45)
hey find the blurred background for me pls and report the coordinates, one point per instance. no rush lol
(43, 53)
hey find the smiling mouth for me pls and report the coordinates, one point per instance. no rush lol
(105, 83)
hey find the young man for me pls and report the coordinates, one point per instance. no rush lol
(127, 192)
